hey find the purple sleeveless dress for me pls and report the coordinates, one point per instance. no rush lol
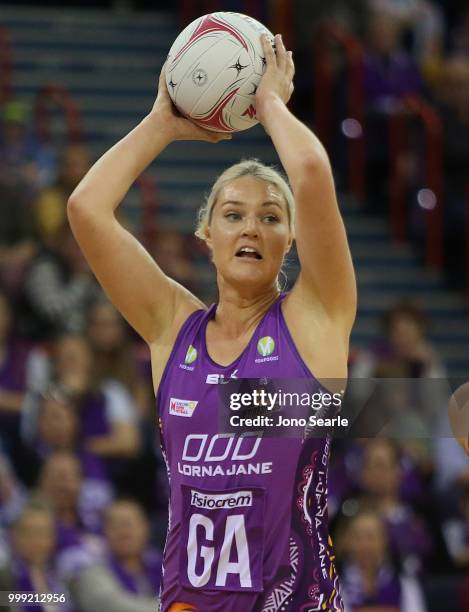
(248, 525)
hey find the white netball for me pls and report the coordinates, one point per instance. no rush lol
(213, 69)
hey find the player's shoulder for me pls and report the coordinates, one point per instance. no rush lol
(301, 305)
(186, 305)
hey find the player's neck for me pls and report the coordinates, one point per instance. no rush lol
(237, 313)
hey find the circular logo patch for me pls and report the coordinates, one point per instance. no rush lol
(266, 346)
(191, 355)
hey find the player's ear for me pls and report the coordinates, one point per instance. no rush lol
(208, 237)
(289, 244)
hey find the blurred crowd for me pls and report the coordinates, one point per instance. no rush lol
(411, 48)
(83, 489)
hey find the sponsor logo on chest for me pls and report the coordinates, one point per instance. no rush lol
(266, 349)
(219, 379)
(190, 358)
(181, 407)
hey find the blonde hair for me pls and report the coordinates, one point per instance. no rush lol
(246, 167)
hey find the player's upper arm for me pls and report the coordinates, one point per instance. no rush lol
(139, 289)
(326, 263)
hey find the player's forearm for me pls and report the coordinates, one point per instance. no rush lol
(300, 151)
(107, 182)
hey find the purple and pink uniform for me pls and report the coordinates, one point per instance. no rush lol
(248, 525)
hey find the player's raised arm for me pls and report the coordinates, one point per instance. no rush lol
(145, 296)
(326, 264)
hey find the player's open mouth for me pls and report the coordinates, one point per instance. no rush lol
(248, 253)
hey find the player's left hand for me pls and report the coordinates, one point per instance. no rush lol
(277, 82)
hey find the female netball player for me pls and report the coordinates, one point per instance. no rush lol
(248, 519)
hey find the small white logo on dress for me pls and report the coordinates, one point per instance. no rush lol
(181, 407)
(219, 379)
(217, 501)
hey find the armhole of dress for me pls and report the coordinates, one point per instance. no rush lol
(181, 332)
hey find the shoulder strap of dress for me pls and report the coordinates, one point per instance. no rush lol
(193, 323)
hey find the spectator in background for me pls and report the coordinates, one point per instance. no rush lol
(52, 202)
(456, 531)
(17, 234)
(453, 100)
(12, 494)
(459, 38)
(106, 412)
(128, 578)
(346, 468)
(423, 20)
(389, 75)
(59, 286)
(13, 363)
(369, 580)
(59, 430)
(451, 469)
(171, 255)
(408, 421)
(133, 564)
(404, 344)
(31, 163)
(82, 555)
(31, 568)
(4, 549)
(78, 520)
(118, 365)
(114, 353)
(66, 361)
(380, 483)
(464, 594)
(309, 14)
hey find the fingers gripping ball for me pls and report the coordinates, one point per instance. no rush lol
(213, 69)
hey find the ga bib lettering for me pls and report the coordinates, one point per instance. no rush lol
(222, 539)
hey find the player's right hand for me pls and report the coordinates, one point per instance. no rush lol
(179, 127)
(277, 82)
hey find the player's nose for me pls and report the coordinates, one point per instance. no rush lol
(250, 226)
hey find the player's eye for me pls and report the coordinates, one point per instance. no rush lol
(270, 219)
(232, 216)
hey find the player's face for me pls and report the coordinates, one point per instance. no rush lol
(249, 234)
